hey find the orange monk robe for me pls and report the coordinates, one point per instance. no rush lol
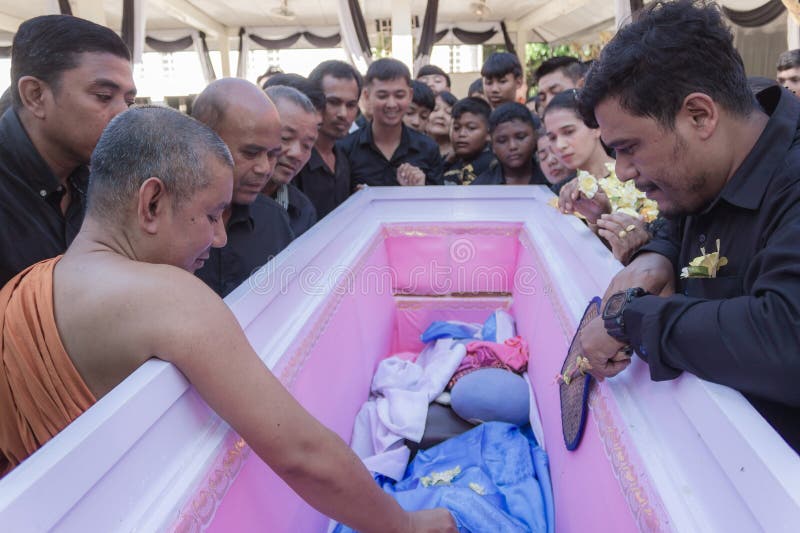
(41, 392)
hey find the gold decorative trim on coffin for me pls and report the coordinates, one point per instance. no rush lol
(500, 229)
(287, 371)
(645, 505)
(197, 514)
(488, 301)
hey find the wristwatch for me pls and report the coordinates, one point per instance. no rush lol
(612, 312)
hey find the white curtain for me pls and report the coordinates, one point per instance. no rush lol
(244, 56)
(349, 38)
(139, 23)
(198, 47)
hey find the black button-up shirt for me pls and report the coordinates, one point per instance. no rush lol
(742, 328)
(325, 188)
(256, 233)
(302, 214)
(369, 166)
(32, 225)
(461, 172)
(494, 175)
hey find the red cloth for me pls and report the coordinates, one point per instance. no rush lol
(512, 355)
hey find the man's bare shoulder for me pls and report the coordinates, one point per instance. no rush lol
(114, 313)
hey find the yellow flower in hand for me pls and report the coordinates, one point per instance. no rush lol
(587, 184)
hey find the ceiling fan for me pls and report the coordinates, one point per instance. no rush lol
(282, 11)
(480, 9)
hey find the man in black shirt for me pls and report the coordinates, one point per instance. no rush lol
(258, 228)
(326, 177)
(726, 170)
(386, 152)
(69, 78)
(300, 123)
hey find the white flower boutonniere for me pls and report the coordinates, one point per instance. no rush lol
(705, 266)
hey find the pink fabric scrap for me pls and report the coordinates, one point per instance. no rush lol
(512, 355)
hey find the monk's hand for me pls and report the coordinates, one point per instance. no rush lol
(624, 233)
(651, 271)
(432, 521)
(607, 356)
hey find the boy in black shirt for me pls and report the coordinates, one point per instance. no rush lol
(470, 139)
(502, 77)
(514, 144)
(422, 103)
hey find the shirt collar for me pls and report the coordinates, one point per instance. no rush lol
(29, 161)
(407, 140)
(240, 214)
(315, 162)
(747, 186)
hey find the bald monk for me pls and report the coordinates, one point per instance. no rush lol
(75, 326)
(258, 227)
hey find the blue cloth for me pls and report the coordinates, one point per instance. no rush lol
(501, 484)
(450, 330)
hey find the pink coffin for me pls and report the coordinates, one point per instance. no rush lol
(685, 455)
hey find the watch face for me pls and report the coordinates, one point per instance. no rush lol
(614, 305)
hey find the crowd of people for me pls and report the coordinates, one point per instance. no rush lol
(108, 212)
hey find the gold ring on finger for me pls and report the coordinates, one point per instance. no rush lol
(622, 233)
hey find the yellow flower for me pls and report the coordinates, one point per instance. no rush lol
(478, 489)
(705, 266)
(440, 478)
(587, 184)
(624, 197)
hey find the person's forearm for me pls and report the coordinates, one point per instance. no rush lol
(747, 343)
(332, 479)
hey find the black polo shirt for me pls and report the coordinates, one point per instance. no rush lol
(742, 328)
(494, 175)
(325, 188)
(369, 166)
(32, 225)
(256, 234)
(461, 172)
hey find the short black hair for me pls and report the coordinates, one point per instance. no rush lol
(474, 105)
(337, 69)
(448, 98)
(671, 50)
(570, 66)
(511, 111)
(788, 59)
(501, 63)
(5, 101)
(429, 70)
(569, 100)
(475, 87)
(296, 81)
(423, 95)
(44, 47)
(386, 69)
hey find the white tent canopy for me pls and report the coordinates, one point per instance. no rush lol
(527, 20)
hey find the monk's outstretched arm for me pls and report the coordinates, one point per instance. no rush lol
(204, 340)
